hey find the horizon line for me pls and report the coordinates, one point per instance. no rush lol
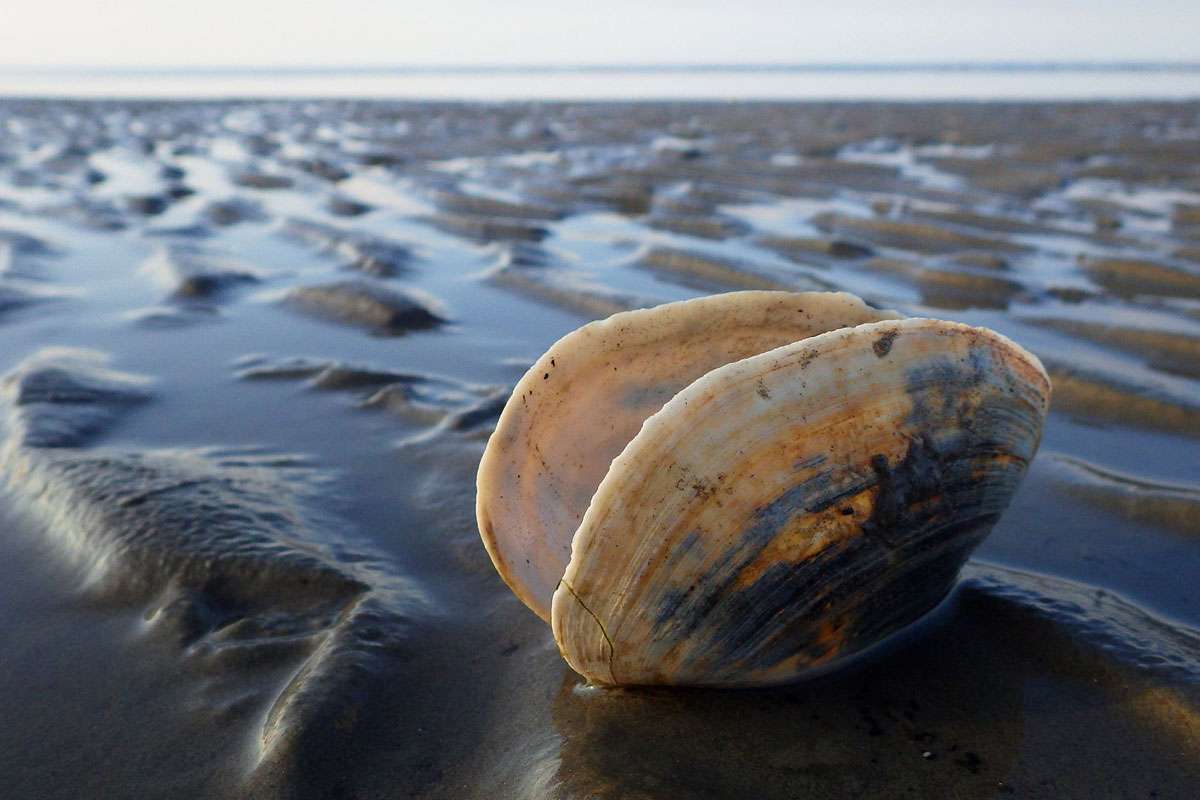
(1091, 65)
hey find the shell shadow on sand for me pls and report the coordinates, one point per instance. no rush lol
(961, 707)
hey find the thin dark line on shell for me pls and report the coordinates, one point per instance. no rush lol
(611, 650)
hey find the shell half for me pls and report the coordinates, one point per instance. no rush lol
(789, 510)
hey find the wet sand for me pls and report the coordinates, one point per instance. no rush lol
(252, 352)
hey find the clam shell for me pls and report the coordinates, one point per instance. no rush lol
(783, 512)
(586, 398)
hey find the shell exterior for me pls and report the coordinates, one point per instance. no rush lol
(583, 401)
(782, 511)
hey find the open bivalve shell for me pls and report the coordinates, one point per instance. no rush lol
(742, 489)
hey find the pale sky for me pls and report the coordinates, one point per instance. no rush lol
(388, 32)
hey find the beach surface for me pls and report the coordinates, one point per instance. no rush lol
(252, 352)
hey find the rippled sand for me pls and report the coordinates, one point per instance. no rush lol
(252, 353)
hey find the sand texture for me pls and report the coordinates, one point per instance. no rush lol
(251, 353)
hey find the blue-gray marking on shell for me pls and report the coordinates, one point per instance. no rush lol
(932, 508)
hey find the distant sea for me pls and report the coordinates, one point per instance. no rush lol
(1086, 81)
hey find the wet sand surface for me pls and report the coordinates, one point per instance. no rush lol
(253, 351)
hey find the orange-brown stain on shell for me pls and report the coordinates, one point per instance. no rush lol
(807, 534)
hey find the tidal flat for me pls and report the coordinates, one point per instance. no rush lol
(251, 352)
